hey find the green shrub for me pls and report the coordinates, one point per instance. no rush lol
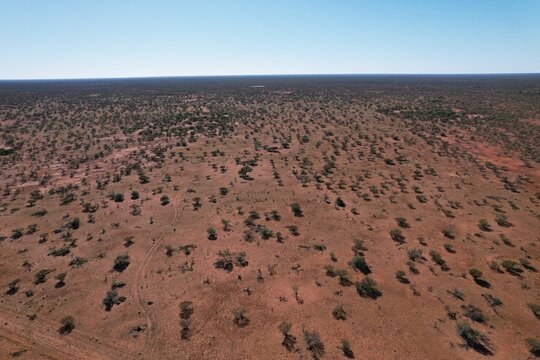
(297, 210)
(121, 263)
(68, 324)
(314, 343)
(397, 236)
(367, 288)
(339, 313)
(474, 338)
(359, 263)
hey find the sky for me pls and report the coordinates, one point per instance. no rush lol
(48, 39)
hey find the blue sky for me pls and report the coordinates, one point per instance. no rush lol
(121, 38)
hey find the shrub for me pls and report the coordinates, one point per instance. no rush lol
(240, 318)
(402, 222)
(74, 224)
(60, 278)
(134, 195)
(297, 210)
(484, 225)
(226, 225)
(13, 287)
(289, 341)
(121, 263)
(474, 338)
(511, 267)
(492, 300)
(340, 202)
(185, 332)
(274, 215)
(343, 277)
(473, 313)
(534, 346)
(265, 232)
(186, 309)
(164, 200)
(63, 251)
(401, 277)
(437, 258)
(359, 263)
(293, 229)
(527, 265)
(449, 248)
(314, 343)
(397, 236)
(330, 271)
(475, 273)
(493, 265)
(458, 294)
(224, 261)
(346, 348)
(358, 247)
(535, 308)
(41, 276)
(448, 233)
(501, 220)
(367, 288)
(212, 233)
(17, 233)
(68, 324)
(40, 213)
(506, 240)
(415, 254)
(339, 313)
(118, 197)
(240, 259)
(111, 299)
(78, 261)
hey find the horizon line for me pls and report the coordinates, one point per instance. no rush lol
(261, 75)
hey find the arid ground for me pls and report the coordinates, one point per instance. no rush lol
(369, 217)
